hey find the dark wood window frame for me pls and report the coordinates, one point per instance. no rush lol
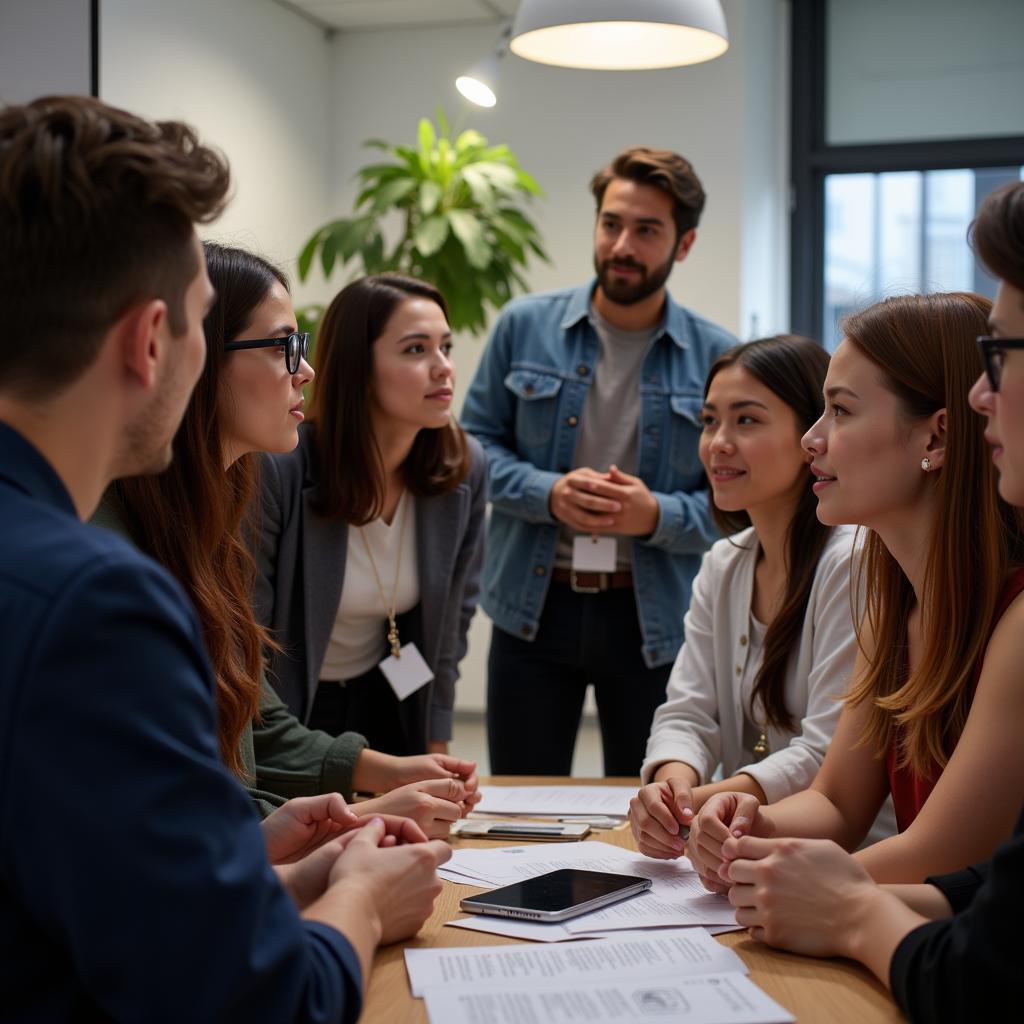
(812, 159)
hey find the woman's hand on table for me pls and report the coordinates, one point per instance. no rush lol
(660, 816)
(723, 816)
(433, 804)
(380, 773)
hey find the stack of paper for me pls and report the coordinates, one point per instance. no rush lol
(676, 897)
(602, 806)
(676, 975)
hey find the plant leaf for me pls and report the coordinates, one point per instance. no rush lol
(391, 193)
(442, 122)
(427, 136)
(430, 196)
(468, 230)
(469, 139)
(431, 234)
(479, 186)
(328, 252)
(307, 254)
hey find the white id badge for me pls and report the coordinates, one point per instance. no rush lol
(407, 673)
(594, 554)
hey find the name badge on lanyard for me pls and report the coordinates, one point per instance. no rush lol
(594, 554)
(407, 672)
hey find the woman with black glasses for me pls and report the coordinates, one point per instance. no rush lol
(948, 949)
(249, 399)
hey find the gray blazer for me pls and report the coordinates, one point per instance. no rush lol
(301, 560)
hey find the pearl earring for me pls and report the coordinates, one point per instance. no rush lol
(926, 464)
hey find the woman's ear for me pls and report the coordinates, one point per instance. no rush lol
(936, 446)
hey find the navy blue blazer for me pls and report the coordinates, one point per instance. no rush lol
(133, 879)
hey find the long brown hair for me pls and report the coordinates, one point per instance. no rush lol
(924, 346)
(190, 517)
(794, 368)
(351, 483)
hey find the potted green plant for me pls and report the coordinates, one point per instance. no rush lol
(462, 226)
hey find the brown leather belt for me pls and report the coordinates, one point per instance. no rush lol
(592, 582)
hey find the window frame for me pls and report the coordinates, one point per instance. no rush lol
(812, 159)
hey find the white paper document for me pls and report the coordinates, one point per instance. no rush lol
(682, 952)
(650, 911)
(533, 932)
(699, 999)
(676, 898)
(557, 800)
(503, 865)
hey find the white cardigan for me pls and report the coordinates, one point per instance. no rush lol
(701, 721)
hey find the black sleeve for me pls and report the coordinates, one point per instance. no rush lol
(965, 968)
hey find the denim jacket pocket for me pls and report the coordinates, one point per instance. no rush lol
(684, 431)
(537, 405)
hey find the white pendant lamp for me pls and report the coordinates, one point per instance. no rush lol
(480, 84)
(619, 35)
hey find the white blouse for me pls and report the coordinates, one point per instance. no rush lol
(357, 641)
(702, 720)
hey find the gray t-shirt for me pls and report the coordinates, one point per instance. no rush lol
(610, 424)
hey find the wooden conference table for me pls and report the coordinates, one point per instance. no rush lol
(833, 991)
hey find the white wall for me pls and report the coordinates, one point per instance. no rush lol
(728, 117)
(291, 109)
(254, 79)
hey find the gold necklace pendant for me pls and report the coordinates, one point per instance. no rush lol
(761, 746)
(396, 647)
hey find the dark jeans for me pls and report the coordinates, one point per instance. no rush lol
(535, 691)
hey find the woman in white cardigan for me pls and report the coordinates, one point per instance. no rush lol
(770, 630)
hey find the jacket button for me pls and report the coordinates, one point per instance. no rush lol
(582, 370)
(528, 389)
(525, 631)
(539, 570)
(572, 421)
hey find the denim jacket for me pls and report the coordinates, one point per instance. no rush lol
(524, 406)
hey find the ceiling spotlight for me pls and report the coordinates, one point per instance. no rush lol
(609, 35)
(480, 84)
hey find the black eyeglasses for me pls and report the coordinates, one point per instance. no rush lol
(296, 347)
(993, 351)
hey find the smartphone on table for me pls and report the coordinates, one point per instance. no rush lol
(557, 895)
(552, 831)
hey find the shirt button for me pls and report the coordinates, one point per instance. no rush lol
(525, 631)
(539, 570)
(739, 670)
(528, 389)
(572, 421)
(582, 370)
(743, 641)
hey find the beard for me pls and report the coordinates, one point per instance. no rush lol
(628, 293)
(148, 441)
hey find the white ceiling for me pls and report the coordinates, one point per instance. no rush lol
(353, 15)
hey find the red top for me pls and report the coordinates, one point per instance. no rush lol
(910, 790)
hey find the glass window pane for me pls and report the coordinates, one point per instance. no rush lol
(899, 232)
(923, 69)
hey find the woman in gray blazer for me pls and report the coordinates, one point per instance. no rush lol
(371, 531)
